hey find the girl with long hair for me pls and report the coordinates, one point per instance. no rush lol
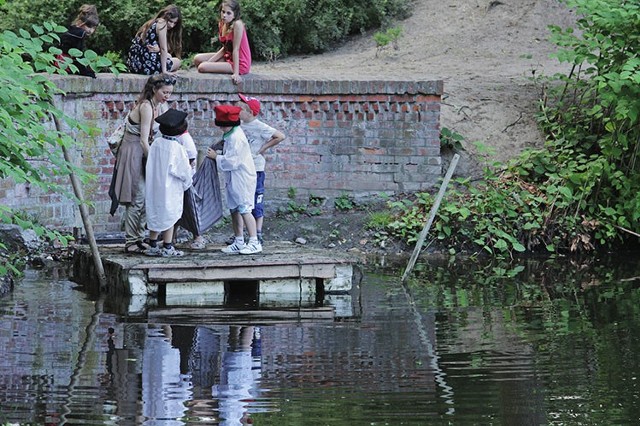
(157, 46)
(234, 57)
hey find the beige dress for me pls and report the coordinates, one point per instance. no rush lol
(130, 163)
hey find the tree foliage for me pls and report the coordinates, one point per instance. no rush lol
(275, 28)
(30, 145)
(582, 190)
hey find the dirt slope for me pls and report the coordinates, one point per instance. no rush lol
(485, 51)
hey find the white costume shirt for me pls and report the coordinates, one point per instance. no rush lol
(258, 134)
(168, 175)
(186, 141)
(236, 163)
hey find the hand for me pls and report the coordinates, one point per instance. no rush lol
(211, 153)
(153, 48)
(236, 79)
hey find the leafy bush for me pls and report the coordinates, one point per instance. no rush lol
(582, 190)
(275, 28)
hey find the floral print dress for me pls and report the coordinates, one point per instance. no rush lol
(140, 60)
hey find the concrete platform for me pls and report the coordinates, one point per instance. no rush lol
(284, 272)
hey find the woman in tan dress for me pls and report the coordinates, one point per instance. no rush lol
(139, 133)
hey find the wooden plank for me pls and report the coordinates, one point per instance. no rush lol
(210, 315)
(254, 272)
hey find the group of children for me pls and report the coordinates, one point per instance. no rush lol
(157, 45)
(245, 138)
(151, 178)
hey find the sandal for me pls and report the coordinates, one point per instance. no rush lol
(135, 248)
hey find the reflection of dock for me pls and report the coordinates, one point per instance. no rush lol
(282, 274)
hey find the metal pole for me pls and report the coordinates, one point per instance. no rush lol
(84, 213)
(432, 215)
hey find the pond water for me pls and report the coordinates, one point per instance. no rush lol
(534, 342)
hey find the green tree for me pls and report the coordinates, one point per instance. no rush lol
(30, 145)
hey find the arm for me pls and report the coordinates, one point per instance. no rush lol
(238, 31)
(161, 30)
(217, 56)
(146, 117)
(276, 138)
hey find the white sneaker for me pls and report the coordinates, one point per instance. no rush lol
(234, 248)
(251, 248)
(172, 252)
(153, 251)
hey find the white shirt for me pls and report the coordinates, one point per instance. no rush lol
(186, 141)
(168, 175)
(239, 171)
(258, 134)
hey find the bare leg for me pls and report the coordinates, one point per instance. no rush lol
(215, 67)
(236, 223)
(259, 221)
(202, 57)
(176, 64)
(168, 236)
(250, 223)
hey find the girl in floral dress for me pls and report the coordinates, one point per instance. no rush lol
(157, 46)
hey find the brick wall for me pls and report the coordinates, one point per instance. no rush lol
(355, 137)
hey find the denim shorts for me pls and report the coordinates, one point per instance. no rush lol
(258, 209)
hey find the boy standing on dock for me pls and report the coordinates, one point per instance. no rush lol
(168, 175)
(237, 165)
(261, 137)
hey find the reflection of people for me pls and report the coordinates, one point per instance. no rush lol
(157, 45)
(164, 394)
(237, 378)
(168, 175)
(240, 177)
(129, 183)
(234, 57)
(111, 350)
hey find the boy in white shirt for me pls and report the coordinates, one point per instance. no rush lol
(240, 178)
(261, 137)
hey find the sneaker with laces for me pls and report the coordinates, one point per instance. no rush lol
(153, 251)
(197, 245)
(234, 248)
(171, 252)
(251, 248)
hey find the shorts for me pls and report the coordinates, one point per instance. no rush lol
(242, 209)
(258, 210)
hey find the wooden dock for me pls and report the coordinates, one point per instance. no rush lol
(283, 271)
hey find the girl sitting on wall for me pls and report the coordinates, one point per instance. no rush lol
(157, 46)
(234, 57)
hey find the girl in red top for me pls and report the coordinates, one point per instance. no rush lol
(235, 55)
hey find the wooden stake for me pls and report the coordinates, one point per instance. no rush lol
(432, 215)
(84, 213)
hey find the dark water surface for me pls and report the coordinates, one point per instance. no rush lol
(533, 343)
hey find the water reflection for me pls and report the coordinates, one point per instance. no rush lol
(541, 342)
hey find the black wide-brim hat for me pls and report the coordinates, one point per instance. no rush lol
(172, 122)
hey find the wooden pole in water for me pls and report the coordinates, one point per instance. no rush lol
(432, 215)
(84, 213)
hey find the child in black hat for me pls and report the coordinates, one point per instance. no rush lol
(168, 175)
(237, 164)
